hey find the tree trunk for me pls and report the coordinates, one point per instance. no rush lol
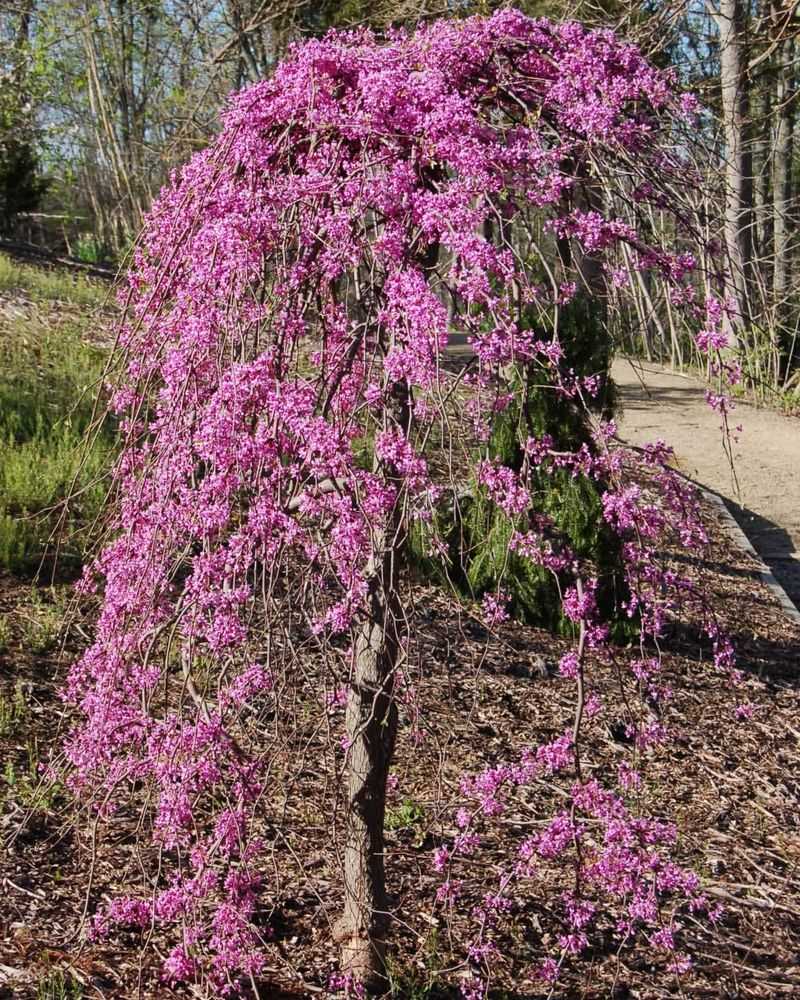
(738, 180)
(372, 728)
(371, 723)
(762, 209)
(781, 173)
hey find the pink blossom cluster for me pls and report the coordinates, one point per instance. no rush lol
(620, 861)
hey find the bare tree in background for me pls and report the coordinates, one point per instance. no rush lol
(729, 17)
(741, 60)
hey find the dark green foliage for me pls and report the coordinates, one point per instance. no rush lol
(21, 183)
(21, 186)
(478, 533)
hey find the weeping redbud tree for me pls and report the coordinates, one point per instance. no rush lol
(291, 410)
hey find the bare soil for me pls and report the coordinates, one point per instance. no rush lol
(756, 470)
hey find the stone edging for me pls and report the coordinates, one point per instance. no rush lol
(733, 529)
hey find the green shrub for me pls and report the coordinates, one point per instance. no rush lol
(406, 816)
(90, 249)
(478, 533)
(5, 633)
(42, 622)
(13, 710)
(28, 784)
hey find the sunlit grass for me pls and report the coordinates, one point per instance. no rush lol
(50, 449)
(44, 285)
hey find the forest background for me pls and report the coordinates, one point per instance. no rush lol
(99, 101)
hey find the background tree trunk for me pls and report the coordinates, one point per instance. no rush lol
(762, 166)
(781, 177)
(738, 180)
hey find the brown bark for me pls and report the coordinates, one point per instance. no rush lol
(579, 265)
(371, 723)
(372, 727)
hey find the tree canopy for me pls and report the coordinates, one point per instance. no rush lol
(292, 406)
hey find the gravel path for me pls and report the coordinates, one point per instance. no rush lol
(763, 489)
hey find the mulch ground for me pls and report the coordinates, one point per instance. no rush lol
(732, 788)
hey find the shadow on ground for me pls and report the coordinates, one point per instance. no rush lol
(772, 543)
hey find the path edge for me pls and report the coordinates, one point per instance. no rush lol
(766, 575)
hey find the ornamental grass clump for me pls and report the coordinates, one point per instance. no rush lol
(286, 368)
